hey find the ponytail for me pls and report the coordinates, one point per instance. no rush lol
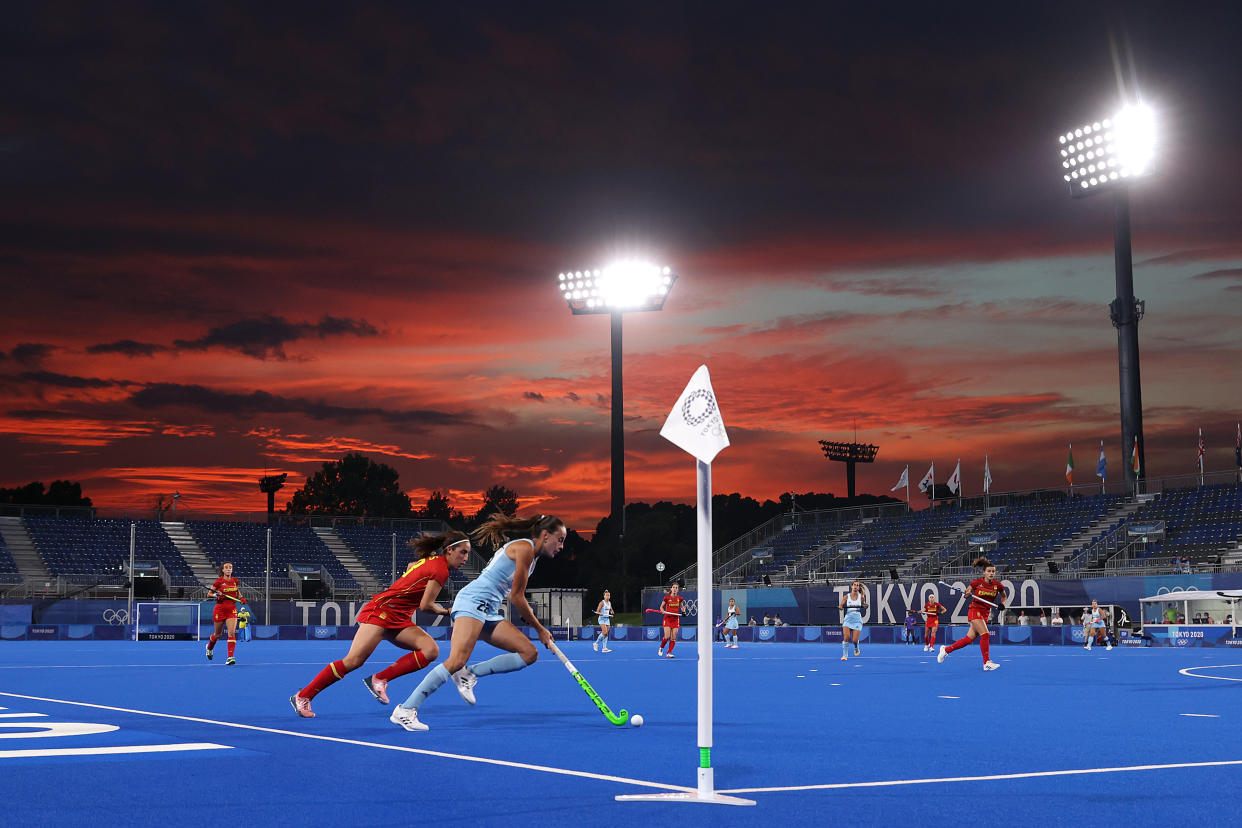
(982, 563)
(501, 528)
(427, 546)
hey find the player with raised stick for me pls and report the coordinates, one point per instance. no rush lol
(931, 622)
(986, 594)
(227, 593)
(477, 613)
(389, 616)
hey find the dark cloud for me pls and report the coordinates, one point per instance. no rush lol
(127, 347)
(31, 354)
(266, 336)
(68, 381)
(255, 403)
(533, 395)
(1227, 273)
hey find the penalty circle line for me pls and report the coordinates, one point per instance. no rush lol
(1188, 671)
(421, 751)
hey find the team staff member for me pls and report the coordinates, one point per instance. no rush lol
(671, 607)
(243, 622)
(988, 589)
(228, 595)
(389, 616)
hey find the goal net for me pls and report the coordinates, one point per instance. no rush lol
(166, 621)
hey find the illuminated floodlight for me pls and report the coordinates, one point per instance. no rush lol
(617, 287)
(1105, 153)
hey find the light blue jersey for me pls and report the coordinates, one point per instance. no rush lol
(853, 612)
(731, 618)
(605, 614)
(482, 597)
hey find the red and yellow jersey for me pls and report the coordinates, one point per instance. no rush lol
(933, 610)
(406, 593)
(993, 591)
(671, 604)
(226, 588)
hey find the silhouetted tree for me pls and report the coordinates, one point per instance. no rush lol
(497, 499)
(60, 493)
(353, 485)
(439, 508)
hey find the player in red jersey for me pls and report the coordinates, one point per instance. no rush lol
(389, 616)
(931, 622)
(671, 607)
(990, 590)
(228, 595)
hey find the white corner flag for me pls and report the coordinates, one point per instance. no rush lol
(928, 479)
(955, 479)
(904, 481)
(695, 425)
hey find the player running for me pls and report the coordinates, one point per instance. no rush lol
(852, 606)
(604, 611)
(986, 589)
(1094, 626)
(733, 614)
(671, 608)
(476, 611)
(931, 622)
(389, 616)
(228, 595)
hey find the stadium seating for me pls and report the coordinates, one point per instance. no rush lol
(887, 544)
(8, 567)
(91, 546)
(1199, 522)
(1028, 532)
(245, 544)
(374, 548)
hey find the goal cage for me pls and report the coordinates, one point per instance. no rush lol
(166, 621)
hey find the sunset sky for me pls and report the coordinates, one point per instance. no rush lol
(240, 238)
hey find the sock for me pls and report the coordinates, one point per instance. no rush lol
(984, 644)
(408, 663)
(211, 642)
(232, 646)
(430, 684)
(671, 643)
(506, 663)
(845, 647)
(959, 644)
(601, 639)
(329, 675)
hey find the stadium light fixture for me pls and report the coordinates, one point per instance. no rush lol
(1108, 155)
(615, 289)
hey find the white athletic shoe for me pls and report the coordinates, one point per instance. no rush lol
(990, 665)
(605, 650)
(845, 658)
(942, 655)
(660, 651)
(465, 680)
(407, 717)
(302, 706)
(1109, 647)
(595, 646)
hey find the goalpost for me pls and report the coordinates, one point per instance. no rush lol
(166, 621)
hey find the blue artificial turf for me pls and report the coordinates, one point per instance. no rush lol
(785, 715)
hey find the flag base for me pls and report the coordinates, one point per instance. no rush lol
(708, 798)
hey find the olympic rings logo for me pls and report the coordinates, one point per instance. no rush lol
(116, 617)
(692, 606)
(706, 405)
(1167, 591)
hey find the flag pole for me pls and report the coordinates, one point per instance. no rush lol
(908, 486)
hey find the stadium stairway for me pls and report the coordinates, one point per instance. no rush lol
(25, 554)
(348, 559)
(204, 572)
(922, 562)
(1118, 514)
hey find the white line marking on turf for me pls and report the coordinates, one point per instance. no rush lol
(948, 697)
(1032, 775)
(1201, 715)
(18, 715)
(463, 757)
(111, 749)
(1188, 671)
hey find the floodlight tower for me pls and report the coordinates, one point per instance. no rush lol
(1101, 156)
(616, 289)
(850, 454)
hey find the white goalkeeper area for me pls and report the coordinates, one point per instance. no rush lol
(166, 621)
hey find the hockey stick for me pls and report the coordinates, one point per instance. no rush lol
(972, 596)
(616, 718)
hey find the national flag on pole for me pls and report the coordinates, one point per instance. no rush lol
(695, 425)
(1069, 466)
(955, 479)
(928, 479)
(1101, 468)
(1134, 457)
(987, 476)
(904, 481)
(1200, 457)
(1237, 447)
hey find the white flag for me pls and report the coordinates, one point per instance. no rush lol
(955, 479)
(695, 425)
(928, 479)
(904, 481)
(987, 475)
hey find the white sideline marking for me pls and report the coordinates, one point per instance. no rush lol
(948, 697)
(18, 715)
(1031, 775)
(111, 749)
(463, 757)
(1188, 671)
(1201, 715)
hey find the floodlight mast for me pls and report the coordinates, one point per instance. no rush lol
(1107, 155)
(616, 289)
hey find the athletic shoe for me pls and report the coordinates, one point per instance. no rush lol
(669, 655)
(210, 654)
(660, 651)
(990, 665)
(595, 646)
(845, 658)
(942, 655)
(407, 717)
(465, 681)
(231, 662)
(1109, 647)
(301, 706)
(605, 650)
(857, 652)
(378, 688)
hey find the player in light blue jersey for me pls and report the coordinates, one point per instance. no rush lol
(604, 611)
(477, 613)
